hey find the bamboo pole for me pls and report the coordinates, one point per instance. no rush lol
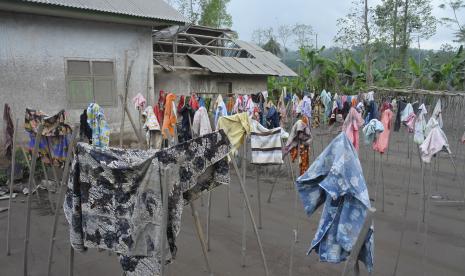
(244, 208)
(61, 192)
(49, 194)
(164, 184)
(259, 199)
(254, 225)
(199, 231)
(12, 180)
(296, 226)
(29, 198)
(33, 180)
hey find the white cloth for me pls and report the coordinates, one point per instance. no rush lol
(420, 126)
(437, 116)
(201, 122)
(220, 109)
(266, 144)
(434, 143)
(404, 115)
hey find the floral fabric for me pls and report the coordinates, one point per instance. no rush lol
(99, 126)
(335, 180)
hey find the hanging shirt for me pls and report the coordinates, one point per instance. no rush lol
(201, 124)
(113, 201)
(381, 144)
(298, 143)
(400, 108)
(220, 109)
(371, 130)
(169, 117)
(266, 144)
(236, 127)
(159, 109)
(351, 126)
(272, 117)
(139, 101)
(99, 126)
(420, 126)
(436, 118)
(435, 142)
(336, 181)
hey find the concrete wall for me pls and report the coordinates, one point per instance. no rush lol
(33, 50)
(184, 83)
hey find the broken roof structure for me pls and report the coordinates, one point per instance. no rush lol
(214, 50)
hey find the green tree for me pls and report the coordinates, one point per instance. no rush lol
(453, 22)
(273, 47)
(214, 14)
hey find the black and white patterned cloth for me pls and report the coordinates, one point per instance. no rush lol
(114, 200)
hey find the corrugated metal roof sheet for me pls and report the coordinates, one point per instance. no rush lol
(152, 9)
(263, 63)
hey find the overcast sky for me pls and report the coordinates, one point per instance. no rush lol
(249, 15)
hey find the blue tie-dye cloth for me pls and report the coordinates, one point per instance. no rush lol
(335, 180)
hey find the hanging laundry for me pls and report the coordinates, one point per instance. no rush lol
(85, 132)
(317, 109)
(220, 109)
(435, 142)
(282, 108)
(382, 143)
(152, 128)
(53, 146)
(187, 114)
(295, 104)
(249, 105)
(371, 130)
(266, 144)
(408, 117)
(159, 109)
(99, 126)
(400, 109)
(169, 116)
(236, 127)
(307, 107)
(436, 118)
(114, 202)
(208, 102)
(193, 102)
(326, 100)
(420, 126)
(201, 124)
(336, 181)
(9, 129)
(272, 116)
(372, 111)
(238, 105)
(351, 125)
(139, 102)
(230, 104)
(298, 143)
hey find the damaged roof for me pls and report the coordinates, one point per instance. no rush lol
(148, 9)
(260, 62)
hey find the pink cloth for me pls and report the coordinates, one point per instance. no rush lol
(434, 143)
(381, 144)
(139, 101)
(410, 122)
(351, 125)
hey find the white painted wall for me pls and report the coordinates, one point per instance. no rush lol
(33, 50)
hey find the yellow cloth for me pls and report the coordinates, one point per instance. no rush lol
(236, 128)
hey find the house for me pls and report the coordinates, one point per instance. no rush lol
(57, 54)
(211, 61)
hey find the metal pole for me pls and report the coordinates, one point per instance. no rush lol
(12, 179)
(29, 198)
(254, 225)
(64, 178)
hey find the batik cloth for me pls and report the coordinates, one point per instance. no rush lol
(99, 126)
(152, 128)
(9, 130)
(382, 143)
(236, 127)
(298, 143)
(201, 123)
(53, 146)
(420, 126)
(159, 109)
(114, 200)
(266, 145)
(301, 151)
(371, 130)
(351, 125)
(316, 113)
(335, 180)
(435, 142)
(139, 101)
(187, 114)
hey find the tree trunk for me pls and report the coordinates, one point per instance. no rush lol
(394, 38)
(368, 59)
(405, 36)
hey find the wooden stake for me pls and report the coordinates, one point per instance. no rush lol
(62, 186)
(259, 199)
(29, 198)
(198, 227)
(209, 205)
(33, 180)
(244, 208)
(254, 225)
(296, 226)
(12, 180)
(48, 183)
(164, 184)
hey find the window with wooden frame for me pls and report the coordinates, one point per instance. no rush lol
(90, 81)
(224, 88)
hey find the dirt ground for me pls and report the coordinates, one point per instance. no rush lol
(440, 252)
